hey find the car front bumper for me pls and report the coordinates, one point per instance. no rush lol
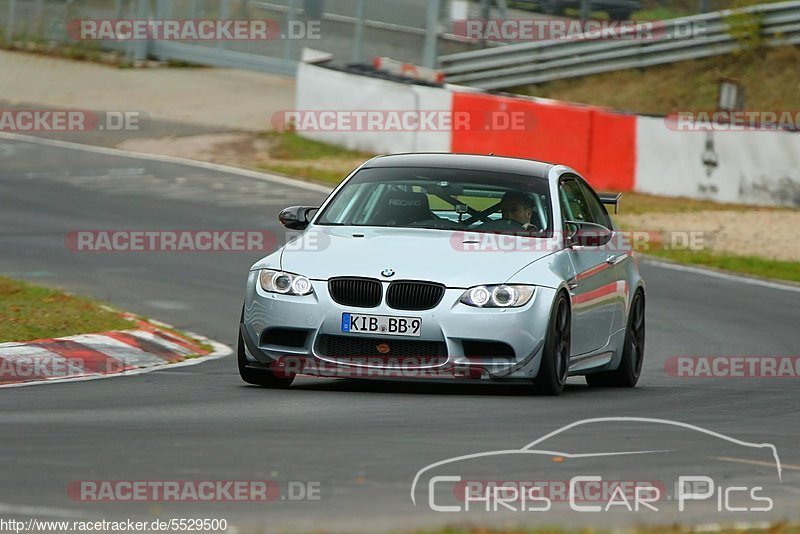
(452, 325)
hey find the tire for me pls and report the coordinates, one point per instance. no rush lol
(630, 367)
(259, 377)
(554, 369)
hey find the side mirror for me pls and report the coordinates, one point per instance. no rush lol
(296, 217)
(588, 234)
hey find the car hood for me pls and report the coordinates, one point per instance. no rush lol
(325, 252)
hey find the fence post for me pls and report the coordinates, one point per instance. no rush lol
(140, 47)
(12, 8)
(198, 9)
(431, 34)
(164, 9)
(586, 10)
(224, 14)
(288, 45)
(358, 39)
(37, 17)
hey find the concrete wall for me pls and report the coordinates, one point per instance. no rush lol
(325, 89)
(750, 167)
(613, 150)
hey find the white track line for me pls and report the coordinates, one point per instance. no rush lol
(266, 177)
(724, 276)
(790, 467)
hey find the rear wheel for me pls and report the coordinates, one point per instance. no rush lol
(630, 368)
(260, 377)
(554, 368)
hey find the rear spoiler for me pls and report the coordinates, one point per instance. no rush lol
(610, 199)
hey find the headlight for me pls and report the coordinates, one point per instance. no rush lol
(500, 296)
(284, 283)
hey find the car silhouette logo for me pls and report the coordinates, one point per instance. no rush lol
(387, 272)
(383, 348)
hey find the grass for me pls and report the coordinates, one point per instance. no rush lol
(34, 312)
(289, 145)
(641, 203)
(662, 13)
(297, 156)
(749, 265)
(78, 51)
(329, 177)
(769, 77)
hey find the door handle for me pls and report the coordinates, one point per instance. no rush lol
(613, 260)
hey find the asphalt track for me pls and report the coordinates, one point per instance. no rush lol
(362, 442)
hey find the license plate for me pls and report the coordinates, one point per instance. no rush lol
(381, 324)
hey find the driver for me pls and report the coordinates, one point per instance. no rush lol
(517, 206)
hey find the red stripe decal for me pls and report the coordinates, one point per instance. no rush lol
(594, 270)
(595, 294)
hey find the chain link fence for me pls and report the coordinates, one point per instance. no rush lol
(351, 30)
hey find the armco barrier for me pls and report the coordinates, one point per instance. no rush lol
(541, 61)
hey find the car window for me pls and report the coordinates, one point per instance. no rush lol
(599, 213)
(573, 202)
(441, 198)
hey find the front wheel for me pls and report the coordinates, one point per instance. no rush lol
(630, 367)
(259, 377)
(554, 369)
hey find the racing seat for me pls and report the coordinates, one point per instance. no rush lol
(402, 208)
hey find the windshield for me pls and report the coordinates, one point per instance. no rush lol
(443, 199)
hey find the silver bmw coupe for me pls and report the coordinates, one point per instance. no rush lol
(449, 267)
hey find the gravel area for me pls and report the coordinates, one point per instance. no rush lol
(242, 149)
(769, 234)
(221, 98)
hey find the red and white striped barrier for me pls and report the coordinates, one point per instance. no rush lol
(146, 347)
(614, 150)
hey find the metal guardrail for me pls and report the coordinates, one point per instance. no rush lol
(530, 63)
